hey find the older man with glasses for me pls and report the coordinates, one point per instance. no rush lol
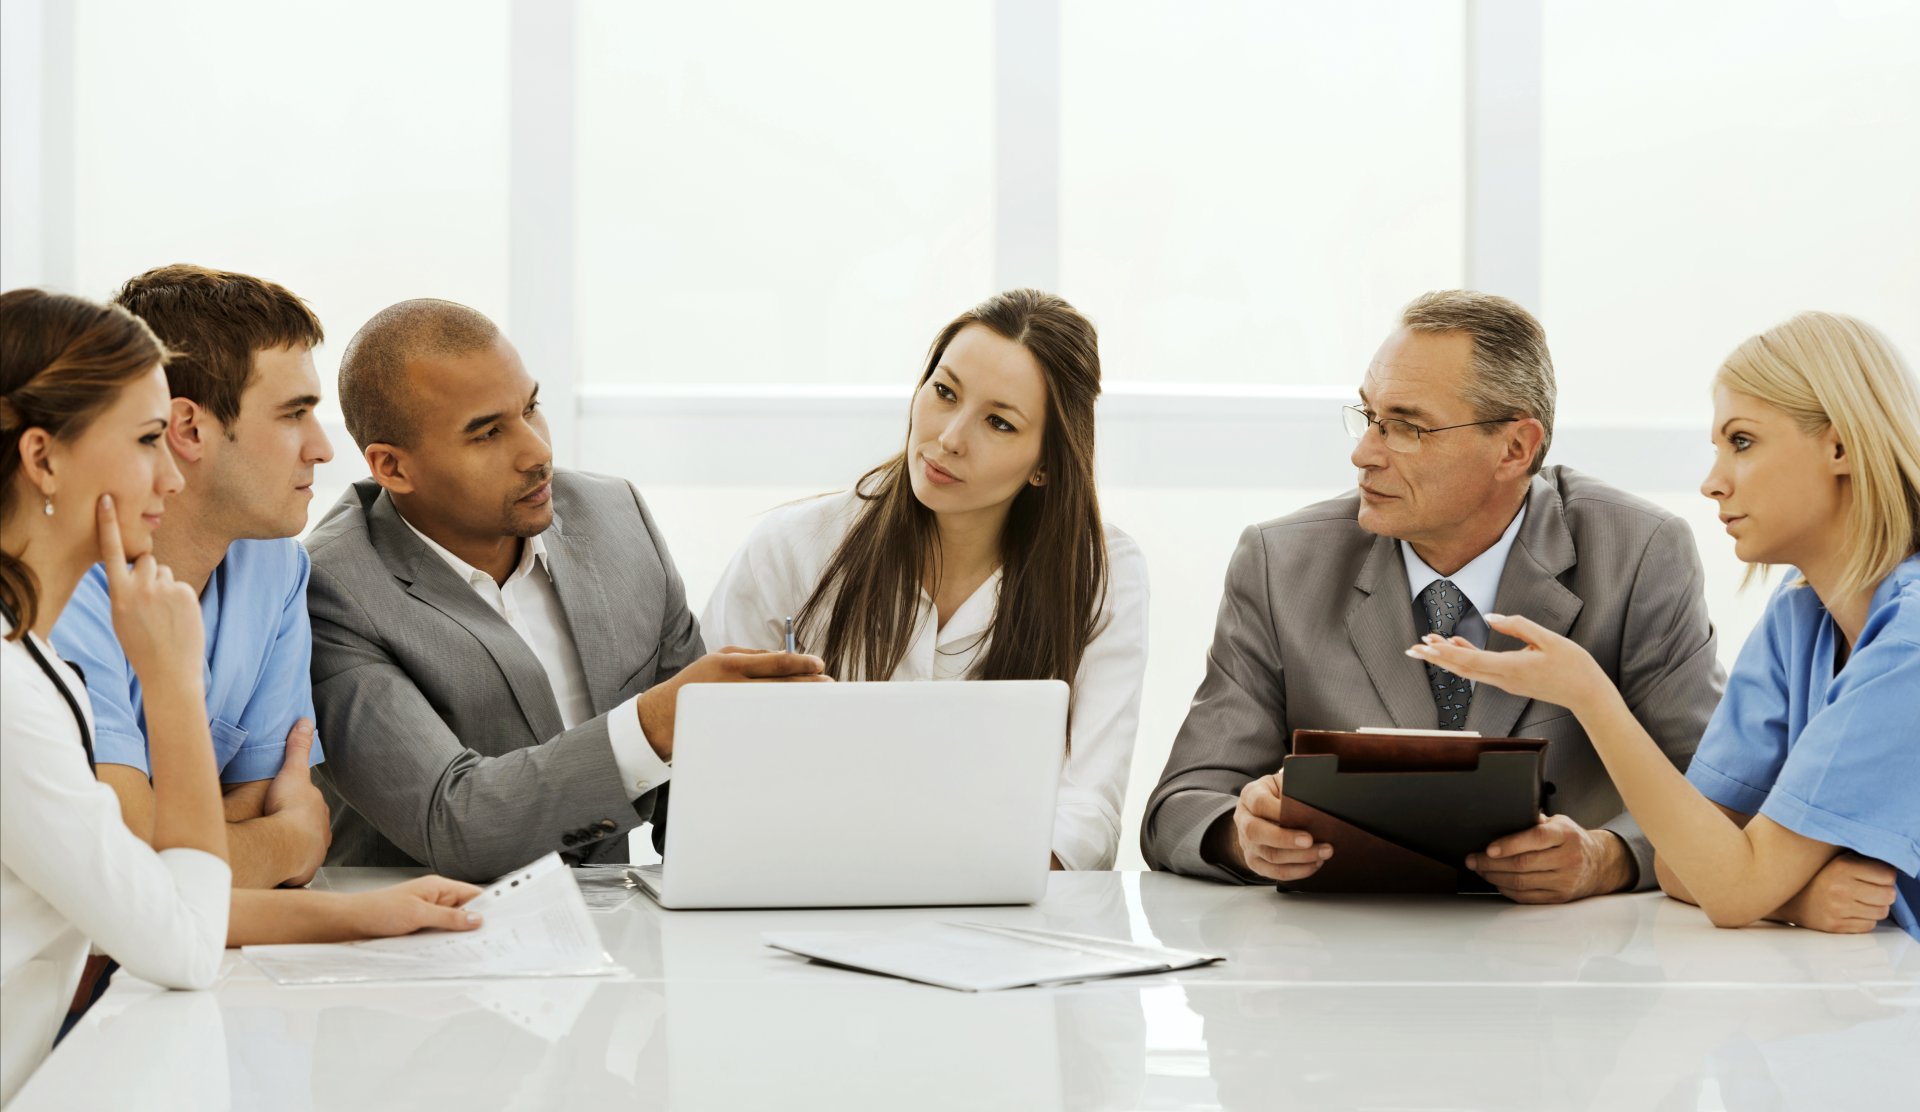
(1454, 518)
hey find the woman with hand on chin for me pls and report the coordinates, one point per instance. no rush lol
(1800, 804)
(978, 552)
(84, 477)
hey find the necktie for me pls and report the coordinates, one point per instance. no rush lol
(1444, 606)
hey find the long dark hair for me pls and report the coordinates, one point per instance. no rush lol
(62, 361)
(1053, 551)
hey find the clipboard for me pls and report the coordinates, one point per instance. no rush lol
(1403, 811)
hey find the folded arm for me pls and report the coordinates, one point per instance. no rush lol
(264, 850)
(1850, 894)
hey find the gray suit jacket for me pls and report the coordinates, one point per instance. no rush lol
(1317, 617)
(444, 744)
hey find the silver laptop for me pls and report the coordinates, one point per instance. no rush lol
(861, 794)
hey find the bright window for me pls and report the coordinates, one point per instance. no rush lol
(1250, 191)
(1712, 169)
(780, 193)
(357, 155)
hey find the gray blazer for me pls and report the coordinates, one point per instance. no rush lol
(1316, 620)
(444, 744)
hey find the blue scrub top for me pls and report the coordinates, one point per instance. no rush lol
(259, 648)
(1830, 756)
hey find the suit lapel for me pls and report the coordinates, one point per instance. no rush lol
(572, 557)
(1529, 586)
(429, 579)
(1380, 625)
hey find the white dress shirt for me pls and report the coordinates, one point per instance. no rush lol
(776, 571)
(1479, 581)
(72, 873)
(530, 604)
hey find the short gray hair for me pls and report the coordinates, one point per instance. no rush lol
(1512, 371)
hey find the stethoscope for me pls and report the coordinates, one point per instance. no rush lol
(79, 716)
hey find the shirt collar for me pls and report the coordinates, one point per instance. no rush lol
(534, 551)
(1479, 581)
(971, 622)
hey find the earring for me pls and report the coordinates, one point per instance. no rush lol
(48, 508)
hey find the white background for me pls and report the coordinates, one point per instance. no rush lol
(724, 233)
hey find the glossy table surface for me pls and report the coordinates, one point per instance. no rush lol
(1324, 1002)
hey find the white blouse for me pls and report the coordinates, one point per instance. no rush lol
(776, 571)
(71, 872)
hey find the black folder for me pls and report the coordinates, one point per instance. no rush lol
(1403, 811)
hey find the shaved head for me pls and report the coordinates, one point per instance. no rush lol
(374, 394)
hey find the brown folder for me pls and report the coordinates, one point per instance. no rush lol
(1403, 811)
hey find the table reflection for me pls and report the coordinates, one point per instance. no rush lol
(1625, 1002)
(1602, 1006)
(1643, 939)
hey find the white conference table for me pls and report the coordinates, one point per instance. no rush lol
(1625, 1002)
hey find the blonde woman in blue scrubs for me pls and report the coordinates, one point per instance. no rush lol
(1801, 804)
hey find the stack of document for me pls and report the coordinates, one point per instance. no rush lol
(980, 957)
(536, 925)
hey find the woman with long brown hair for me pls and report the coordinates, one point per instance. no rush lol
(978, 552)
(85, 477)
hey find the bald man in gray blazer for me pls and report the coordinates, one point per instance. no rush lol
(1454, 518)
(497, 645)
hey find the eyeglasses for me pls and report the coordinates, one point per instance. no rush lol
(1401, 436)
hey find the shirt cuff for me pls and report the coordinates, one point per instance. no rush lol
(641, 769)
(1193, 812)
(1728, 792)
(1083, 837)
(254, 762)
(1822, 825)
(113, 747)
(1639, 851)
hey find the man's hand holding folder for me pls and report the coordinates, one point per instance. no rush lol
(1420, 813)
(1556, 861)
(1256, 843)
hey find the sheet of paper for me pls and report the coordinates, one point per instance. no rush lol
(537, 925)
(1112, 947)
(1397, 731)
(975, 957)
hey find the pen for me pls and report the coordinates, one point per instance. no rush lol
(790, 645)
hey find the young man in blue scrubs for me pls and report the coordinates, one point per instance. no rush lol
(243, 431)
(1800, 804)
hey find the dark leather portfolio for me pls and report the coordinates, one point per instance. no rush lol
(1403, 811)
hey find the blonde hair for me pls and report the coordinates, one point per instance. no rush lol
(1826, 370)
